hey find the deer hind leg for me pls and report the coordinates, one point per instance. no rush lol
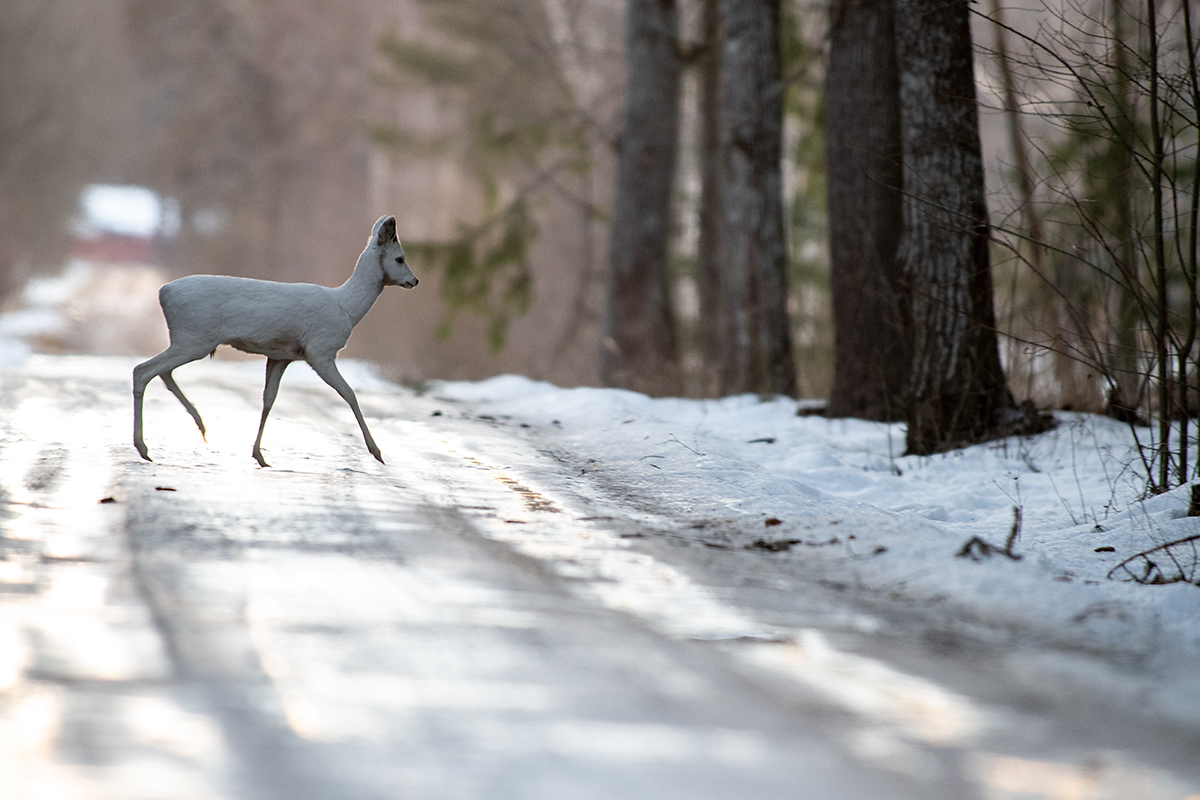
(162, 365)
(275, 368)
(169, 380)
(328, 371)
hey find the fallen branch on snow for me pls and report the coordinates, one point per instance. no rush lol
(977, 549)
(1172, 562)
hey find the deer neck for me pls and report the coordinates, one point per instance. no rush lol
(359, 292)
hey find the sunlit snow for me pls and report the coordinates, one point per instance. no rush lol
(843, 493)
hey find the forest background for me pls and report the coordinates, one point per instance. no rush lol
(494, 130)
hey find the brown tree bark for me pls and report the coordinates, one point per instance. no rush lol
(957, 389)
(759, 351)
(864, 177)
(640, 350)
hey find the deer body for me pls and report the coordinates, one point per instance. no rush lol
(276, 320)
(285, 322)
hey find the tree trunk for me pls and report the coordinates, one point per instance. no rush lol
(1125, 393)
(957, 389)
(864, 174)
(759, 354)
(639, 350)
(714, 328)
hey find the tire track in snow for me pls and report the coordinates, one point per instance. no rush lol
(601, 564)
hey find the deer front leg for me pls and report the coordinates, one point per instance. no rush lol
(275, 368)
(328, 371)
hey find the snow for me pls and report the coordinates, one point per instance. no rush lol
(747, 472)
(844, 496)
(40, 312)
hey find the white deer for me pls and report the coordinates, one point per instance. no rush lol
(285, 322)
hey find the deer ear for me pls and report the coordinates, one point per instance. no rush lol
(385, 230)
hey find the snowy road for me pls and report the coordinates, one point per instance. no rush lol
(479, 618)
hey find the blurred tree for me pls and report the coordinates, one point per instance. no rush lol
(54, 116)
(639, 349)
(518, 114)
(804, 45)
(1115, 86)
(864, 179)
(957, 391)
(758, 355)
(713, 323)
(1113, 194)
(254, 124)
(210, 124)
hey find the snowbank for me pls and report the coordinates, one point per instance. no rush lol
(743, 472)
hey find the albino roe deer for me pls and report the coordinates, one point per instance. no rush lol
(285, 322)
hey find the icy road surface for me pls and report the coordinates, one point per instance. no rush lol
(489, 615)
